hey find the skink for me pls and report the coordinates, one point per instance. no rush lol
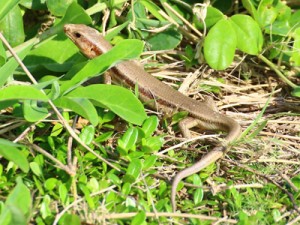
(161, 97)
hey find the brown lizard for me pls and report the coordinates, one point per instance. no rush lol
(161, 97)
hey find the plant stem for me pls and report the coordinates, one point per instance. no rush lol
(277, 71)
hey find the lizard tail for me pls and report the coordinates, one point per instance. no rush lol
(209, 158)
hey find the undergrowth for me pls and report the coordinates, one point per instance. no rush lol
(80, 153)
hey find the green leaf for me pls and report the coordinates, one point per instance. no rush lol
(249, 35)
(10, 151)
(81, 106)
(296, 181)
(281, 28)
(118, 99)
(2, 55)
(129, 139)
(9, 67)
(20, 198)
(116, 31)
(63, 194)
(104, 137)
(126, 188)
(45, 210)
(12, 27)
(93, 185)
(87, 196)
(212, 17)
(267, 13)
(48, 54)
(149, 162)
(139, 219)
(296, 92)
(6, 6)
(39, 185)
(11, 214)
(284, 11)
(74, 14)
(114, 179)
(295, 58)
(32, 112)
(150, 125)
(168, 39)
(58, 7)
(68, 219)
(87, 134)
(153, 8)
(133, 171)
(250, 8)
(198, 193)
(237, 198)
(34, 5)
(21, 92)
(56, 130)
(152, 144)
(294, 19)
(124, 50)
(258, 129)
(276, 214)
(170, 13)
(36, 169)
(50, 183)
(219, 45)
(243, 218)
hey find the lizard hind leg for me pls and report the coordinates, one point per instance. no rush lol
(186, 124)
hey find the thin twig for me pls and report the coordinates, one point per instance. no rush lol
(165, 214)
(183, 19)
(45, 153)
(11, 127)
(58, 216)
(187, 141)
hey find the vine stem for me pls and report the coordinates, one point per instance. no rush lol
(277, 71)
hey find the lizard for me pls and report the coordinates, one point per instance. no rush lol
(161, 97)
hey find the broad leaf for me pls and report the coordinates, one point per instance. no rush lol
(219, 45)
(81, 106)
(33, 112)
(9, 67)
(12, 26)
(295, 58)
(168, 39)
(267, 13)
(58, 7)
(133, 171)
(150, 125)
(21, 92)
(129, 139)
(249, 35)
(70, 219)
(11, 152)
(57, 54)
(6, 6)
(74, 14)
(118, 99)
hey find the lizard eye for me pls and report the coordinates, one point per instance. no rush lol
(78, 35)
